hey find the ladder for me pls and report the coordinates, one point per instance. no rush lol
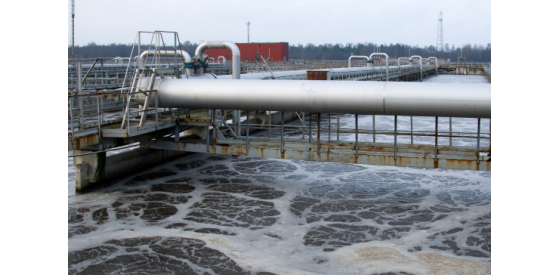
(135, 89)
(143, 73)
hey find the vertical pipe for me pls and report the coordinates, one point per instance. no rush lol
(270, 123)
(357, 148)
(436, 147)
(395, 141)
(247, 130)
(282, 134)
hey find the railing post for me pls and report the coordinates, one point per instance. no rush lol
(436, 139)
(310, 138)
(72, 118)
(270, 123)
(411, 131)
(373, 128)
(337, 128)
(318, 133)
(157, 110)
(478, 142)
(214, 129)
(395, 141)
(99, 114)
(247, 130)
(450, 132)
(80, 97)
(357, 148)
(303, 124)
(329, 126)
(282, 134)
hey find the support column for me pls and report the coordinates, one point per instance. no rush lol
(98, 168)
(89, 168)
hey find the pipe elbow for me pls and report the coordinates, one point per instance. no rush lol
(233, 48)
(200, 49)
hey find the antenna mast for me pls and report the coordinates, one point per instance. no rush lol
(439, 43)
(72, 54)
(248, 23)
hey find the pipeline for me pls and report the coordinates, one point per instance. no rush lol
(386, 62)
(235, 54)
(235, 67)
(357, 56)
(338, 73)
(185, 55)
(373, 98)
(420, 61)
(433, 57)
(399, 63)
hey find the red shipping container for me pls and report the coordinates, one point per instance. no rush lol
(271, 51)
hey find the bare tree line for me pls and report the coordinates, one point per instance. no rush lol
(474, 53)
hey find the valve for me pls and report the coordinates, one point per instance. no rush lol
(198, 63)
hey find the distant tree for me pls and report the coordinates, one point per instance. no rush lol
(338, 51)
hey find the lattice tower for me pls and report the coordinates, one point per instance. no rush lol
(439, 42)
(72, 55)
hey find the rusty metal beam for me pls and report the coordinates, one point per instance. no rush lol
(421, 156)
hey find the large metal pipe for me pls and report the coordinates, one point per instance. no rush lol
(235, 54)
(144, 56)
(354, 57)
(356, 97)
(223, 59)
(386, 62)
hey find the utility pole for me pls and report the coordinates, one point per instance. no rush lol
(248, 23)
(72, 54)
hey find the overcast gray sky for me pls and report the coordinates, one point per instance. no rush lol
(294, 21)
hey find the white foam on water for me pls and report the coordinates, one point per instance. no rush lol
(279, 248)
(375, 257)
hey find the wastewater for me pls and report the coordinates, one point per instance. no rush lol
(219, 214)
